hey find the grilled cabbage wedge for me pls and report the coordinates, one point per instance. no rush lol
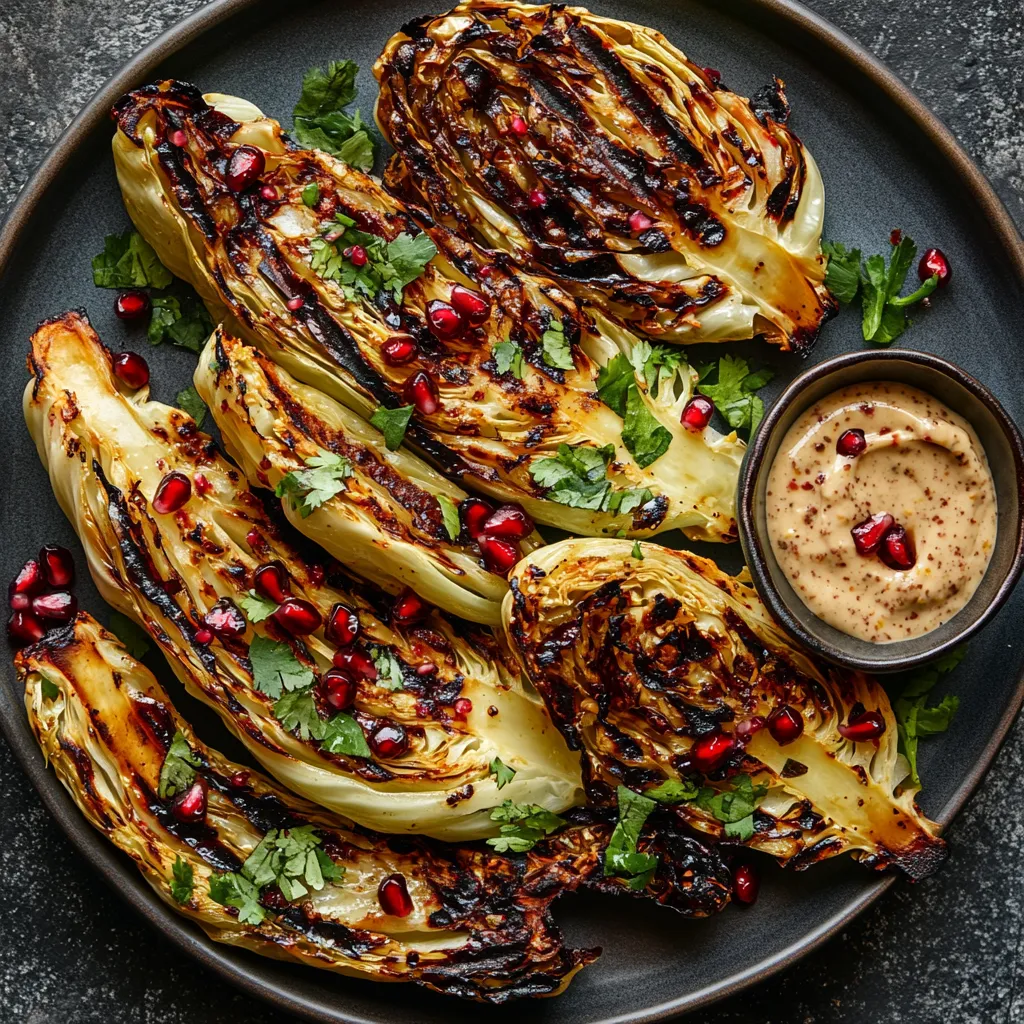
(249, 257)
(385, 524)
(495, 942)
(594, 150)
(106, 453)
(637, 658)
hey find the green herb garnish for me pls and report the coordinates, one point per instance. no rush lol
(503, 775)
(130, 633)
(730, 384)
(578, 477)
(129, 261)
(508, 358)
(178, 771)
(321, 480)
(182, 881)
(188, 400)
(450, 516)
(523, 826)
(622, 859)
(392, 423)
(555, 348)
(275, 668)
(321, 121)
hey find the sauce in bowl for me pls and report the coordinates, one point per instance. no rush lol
(881, 511)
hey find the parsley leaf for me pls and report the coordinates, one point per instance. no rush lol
(129, 261)
(621, 857)
(183, 881)
(733, 391)
(577, 477)
(392, 423)
(188, 400)
(275, 668)
(130, 633)
(656, 364)
(450, 515)
(344, 735)
(321, 121)
(178, 771)
(508, 358)
(311, 194)
(389, 669)
(181, 318)
(734, 808)
(503, 775)
(233, 890)
(297, 712)
(523, 826)
(292, 860)
(51, 691)
(309, 488)
(642, 435)
(672, 791)
(842, 275)
(614, 381)
(555, 348)
(256, 608)
(637, 551)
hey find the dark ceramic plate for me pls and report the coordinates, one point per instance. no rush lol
(887, 163)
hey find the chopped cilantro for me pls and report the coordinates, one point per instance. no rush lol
(733, 391)
(275, 668)
(734, 807)
(129, 261)
(182, 881)
(234, 890)
(637, 551)
(392, 423)
(672, 791)
(614, 381)
(51, 691)
(309, 488)
(508, 358)
(642, 435)
(297, 712)
(311, 194)
(622, 859)
(130, 633)
(389, 669)
(179, 768)
(555, 348)
(656, 364)
(321, 121)
(189, 401)
(523, 825)
(181, 318)
(256, 608)
(578, 477)
(344, 735)
(503, 775)
(291, 859)
(450, 515)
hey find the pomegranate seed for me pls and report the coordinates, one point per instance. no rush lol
(338, 689)
(173, 491)
(639, 222)
(710, 751)
(867, 726)
(462, 707)
(342, 625)
(132, 369)
(201, 484)
(244, 167)
(271, 581)
(268, 192)
(296, 302)
(851, 443)
(29, 581)
(428, 668)
(240, 780)
(499, 554)
(746, 884)
(393, 895)
(749, 726)
(18, 602)
(934, 262)
(203, 637)
(422, 393)
(471, 306)
(399, 350)
(356, 661)
(408, 608)
(389, 739)
(225, 618)
(785, 724)
(510, 522)
(357, 256)
(474, 512)
(895, 236)
(297, 616)
(537, 198)
(131, 305)
(714, 76)
(444, 320)
(190, 807)
(178, 138)
(254, 540)
(58, 605)
(697, 413)
(867, 535)
(58, 565)
(518, 125)
(24, 628)
(897, 550)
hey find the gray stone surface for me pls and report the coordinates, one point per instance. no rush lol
(947, 950)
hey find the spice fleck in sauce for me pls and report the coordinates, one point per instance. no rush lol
(925, 466)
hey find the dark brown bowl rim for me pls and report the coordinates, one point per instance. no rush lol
(756, 546)
(805, 32)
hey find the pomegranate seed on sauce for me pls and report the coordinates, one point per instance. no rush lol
(178, 138)
(58, 605)
(399, 350)
(201, 484)
(131, 305)
(639, 222)
(356, 661)
(24, 628)
(474, 512)
(173, 491)
(57, 564)
(785, 724)
(537, 198)
(190, 807)
(225, 618)
(244, 167)
(408, 608)
(297, 616)
(268, 192)
(471, 306)
(295, 303)
(509, 522)
(132, 369)
(518, 125)
(240, 780)
(444, 319)
(393, 896)
(271, 581)
(499, 554)
(338, 689)
(714, 76)
(867, 726)
(851, 443)
(746, 884)
(389, 739)
(897, 549)
(203, 637)
(697, 413)
(422, 393)
(867, 535)
(934, 262)
(342, 625)
(710, 751)
(895, 236)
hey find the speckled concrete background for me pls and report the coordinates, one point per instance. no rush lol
(947, 950)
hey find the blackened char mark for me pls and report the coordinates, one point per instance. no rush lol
(770, 103)
(329, 934)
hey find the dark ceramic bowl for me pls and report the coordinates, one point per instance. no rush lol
(1003, 446)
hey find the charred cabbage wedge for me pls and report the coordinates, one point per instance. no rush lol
(495, 942)
(107, 453)
(502, 390)
(594, 150)
(663, 670)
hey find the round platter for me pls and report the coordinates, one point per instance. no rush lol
(886, 163)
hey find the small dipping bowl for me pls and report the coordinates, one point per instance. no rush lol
(1002, 444)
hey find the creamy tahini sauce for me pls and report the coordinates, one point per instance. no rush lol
(925, 466)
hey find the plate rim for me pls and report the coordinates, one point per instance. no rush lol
(854, 60)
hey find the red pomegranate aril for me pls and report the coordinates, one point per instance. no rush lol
(697, 413)
(240, 780)
(746, 884)
(244, 167)
(867, 535)
(295, 303)
(178, 138)
(710, 751)
(471, 306)
(714, 76)
(934, 263)
(190, 807)
(408, 608)
(58, 565)
(462, 707)
(399, 350)
(422, 393)
(389, 739)
(173, 491)
(338, 689)
(510, 522)
(271, 581)
(639, 222)
(58, 605)
(132, 369)
(499, 554)
(537, 198)
(202, 484)
(851, 443)
(474, 512)
(785, 724)
(357, 662)
(749, 726)
(268, 192)
(24, 628)
(19, 602)
(518, 125)
(867, 726)
(393, 896)
(30, 580)
(357, 256)
(254, 540)
(342, 625)
(204, 637)
(225, 618)
(897, 549)
(297, 616)
(444, 319)
(131, 305)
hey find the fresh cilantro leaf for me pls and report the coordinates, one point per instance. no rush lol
(311, 194)
(622, 859)
(672, 791)
(450, 515)
(523, 826)
(344, 735)
(614, 381)
(188, 400)
(392, 423)
(359, 149)
(234, 890)
(275, 668)
(389, 669)
(733, 392)
(637, 551)
(178, 771)
(655, 364)
(577, 477)
(508, 358)
(900, 261)
(555, 348)
(51, 691)
(734, 807)
(129, 261)
(291, 859)
(297, 712)
(503, 775)
(256, 608)
(321, 480)
(842, 275)
(407, 257)
(130, 633)
(642, 435)
(320, 118)
(181, 318)
(182, 881)
(873, 295)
